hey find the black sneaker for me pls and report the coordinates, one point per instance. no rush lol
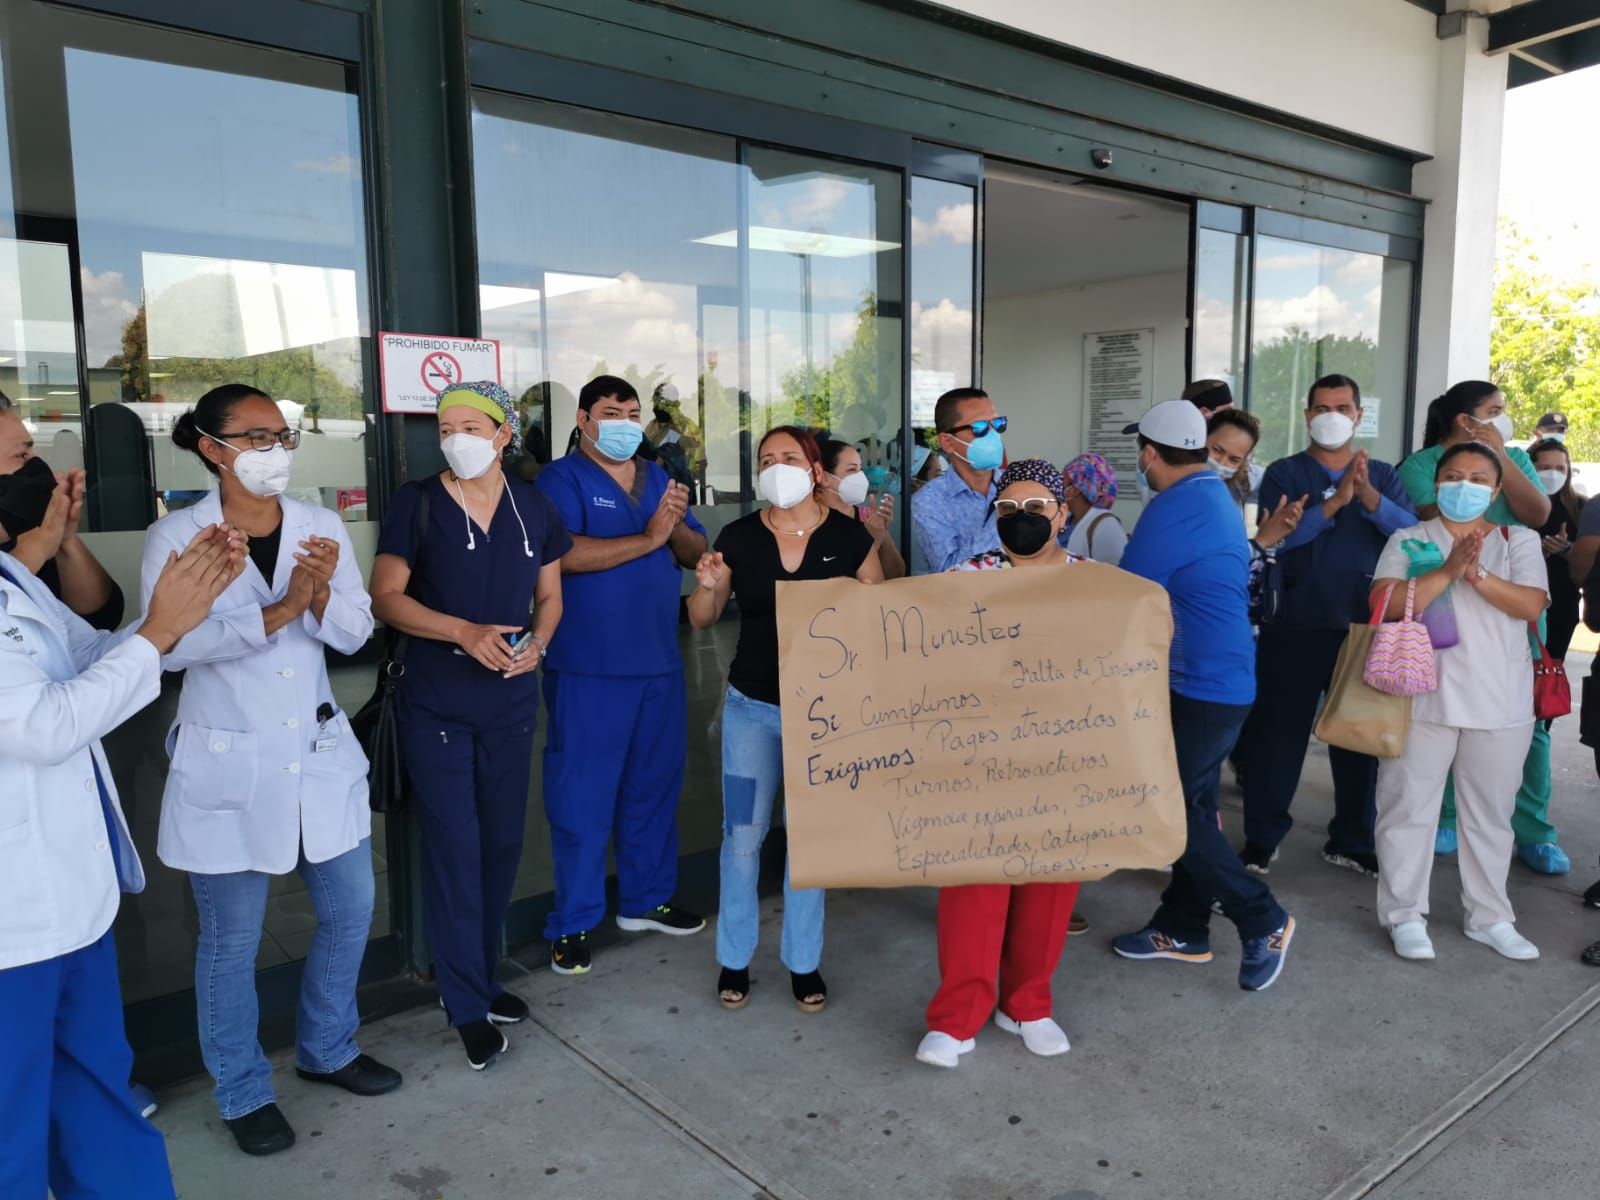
(1258, 858)
(484, 1043)
(1361, 864)
(262, 1132)
(663, 918)
(1591, 898)
(506, 1009)
(569, 954)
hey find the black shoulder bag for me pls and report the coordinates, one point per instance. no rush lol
(375, 725)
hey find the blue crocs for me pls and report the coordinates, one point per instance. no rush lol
(1444, 842)
(1547, 858)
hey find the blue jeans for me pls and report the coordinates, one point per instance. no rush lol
(68, 1119)
(752, 769)
(232, 908)
(1202, 734)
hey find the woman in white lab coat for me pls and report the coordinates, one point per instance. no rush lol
(266, 775)
(70, 1122)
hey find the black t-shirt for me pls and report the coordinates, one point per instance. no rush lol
(836, 550)
(264, 552)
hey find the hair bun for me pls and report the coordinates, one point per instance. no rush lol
(186, 432)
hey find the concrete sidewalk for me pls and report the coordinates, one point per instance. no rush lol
(1356, 1075)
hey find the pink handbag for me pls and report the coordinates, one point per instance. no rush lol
(1401, 659)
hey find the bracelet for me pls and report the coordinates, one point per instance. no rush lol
(539, 642)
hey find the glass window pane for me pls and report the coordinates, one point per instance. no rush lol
(825, 296)
(220, 220)
(613, 245)
(943, 221)
(242, 259)
(1319, 311)
(1221, 291)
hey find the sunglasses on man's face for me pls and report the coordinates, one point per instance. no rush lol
(979, 428)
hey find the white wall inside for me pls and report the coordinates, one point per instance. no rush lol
(1368, 66)
(1033, 359)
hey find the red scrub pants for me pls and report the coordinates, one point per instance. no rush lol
(997, 930)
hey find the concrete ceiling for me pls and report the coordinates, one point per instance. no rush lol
(1045, 231)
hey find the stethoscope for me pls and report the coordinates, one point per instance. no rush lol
(472, 538)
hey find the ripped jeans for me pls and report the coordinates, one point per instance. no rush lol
(752, 769)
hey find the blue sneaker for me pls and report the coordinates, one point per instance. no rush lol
(1261, 959)
(1547, 858)
(1444, 842)
(1150, 942)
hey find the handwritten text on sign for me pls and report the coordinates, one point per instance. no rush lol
(977, 727)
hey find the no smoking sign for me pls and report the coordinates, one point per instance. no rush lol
(416, 367)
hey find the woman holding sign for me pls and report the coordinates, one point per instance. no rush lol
(1012, 933)
(796, 537)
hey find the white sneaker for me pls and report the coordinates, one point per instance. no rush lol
(941, 1050)
(1506, 941)
(1411, 941)
(1044, 1037)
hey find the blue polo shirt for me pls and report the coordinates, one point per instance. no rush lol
(488, 578)
(623, 621)
(1327, 564)
(951, 523)
(1191, 542)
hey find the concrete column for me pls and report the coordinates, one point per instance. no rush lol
(1462, 183)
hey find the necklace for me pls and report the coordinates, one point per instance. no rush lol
(773, 525)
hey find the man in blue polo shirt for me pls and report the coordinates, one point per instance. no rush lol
(613, 682)
(952, 517)
(1190, 541)
(1353, 505)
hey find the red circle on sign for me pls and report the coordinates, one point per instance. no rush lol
(439, 371)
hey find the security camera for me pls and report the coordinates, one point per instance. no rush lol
(1101, 157)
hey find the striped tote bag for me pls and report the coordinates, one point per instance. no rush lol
(1401, 659)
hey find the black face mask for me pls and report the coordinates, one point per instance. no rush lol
(25, 495)
(1024, 533)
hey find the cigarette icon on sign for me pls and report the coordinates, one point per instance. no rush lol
(439, 371)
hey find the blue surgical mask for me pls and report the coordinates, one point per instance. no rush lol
(877, 476)
(1462, 500)
(619, 439)
(985, 453)
(1559, 435)
(1145, 490)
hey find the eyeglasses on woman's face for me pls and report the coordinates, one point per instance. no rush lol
(1039, 506)
(264, 439)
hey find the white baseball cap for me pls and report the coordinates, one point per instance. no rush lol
(1175, 423)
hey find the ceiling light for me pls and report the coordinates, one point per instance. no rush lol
(561, 283)
(799, 241)
(74, 392)
(492, 296)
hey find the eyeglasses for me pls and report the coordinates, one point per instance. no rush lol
(1038, 506)
(979, 428)
(265, 439)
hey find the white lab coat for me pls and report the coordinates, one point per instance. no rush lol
(246, 789)
(62, 687)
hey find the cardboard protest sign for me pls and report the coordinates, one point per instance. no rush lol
(977, 727)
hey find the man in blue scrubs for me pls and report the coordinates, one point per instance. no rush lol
(613, 682)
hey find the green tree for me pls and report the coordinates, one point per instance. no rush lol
(1544, 345)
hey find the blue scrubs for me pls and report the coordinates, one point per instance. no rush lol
(467, 732)
(613, 684)
(70, 1119)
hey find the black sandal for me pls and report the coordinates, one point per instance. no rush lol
(810, 993)
(733, 987)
